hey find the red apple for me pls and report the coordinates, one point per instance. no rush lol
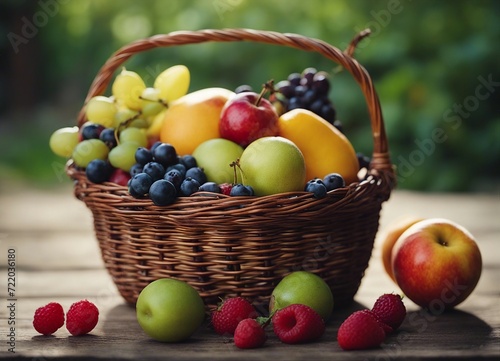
(246, 117)
(436, 263)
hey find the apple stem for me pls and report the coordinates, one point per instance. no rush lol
(266, 87)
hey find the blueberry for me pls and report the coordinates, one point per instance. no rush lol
(210, 187)
(333, 181)
(154, 146)
(155, 170)
(197, 173)
(162, 192)
(241, 190)
(136, 169)
(91, 131)
(189, 161)
(108, 137)
(165, 154)
(139, 185)
(316, 187)
(98, 171)
(189, 186)
(143, 156)
(180, 167)
(175, 177)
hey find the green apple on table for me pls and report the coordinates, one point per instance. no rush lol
(304, 288)
(169, 310)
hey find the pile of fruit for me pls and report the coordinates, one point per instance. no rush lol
(163, 142)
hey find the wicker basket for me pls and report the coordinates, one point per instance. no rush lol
(228, 246)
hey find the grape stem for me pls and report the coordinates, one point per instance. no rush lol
(235, 164)
(266, 87)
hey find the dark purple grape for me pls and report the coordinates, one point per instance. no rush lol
(243, 88)
(309, 97)
(300, 90)
(285, 88)
(316, 106)
(328, 112)
(294, 79)
(321, 83)
(162, 192)
(295, 103)
(308, 74)
(337, 124)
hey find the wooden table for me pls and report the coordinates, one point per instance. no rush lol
(57, 259)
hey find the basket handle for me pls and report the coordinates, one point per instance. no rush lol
(380, 160)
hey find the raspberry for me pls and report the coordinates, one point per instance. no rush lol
(390, 309)
(230, 313)
(359, 331)
(249, 334)
(297, 323)
(81, 317)
(49, 318)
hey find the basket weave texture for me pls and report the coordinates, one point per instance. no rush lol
(228, 246)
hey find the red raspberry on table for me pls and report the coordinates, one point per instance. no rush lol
(297, 323)
(49, 318)
(361, 330)
(390, 309)
(230, 313)
(249, 334)
(81, 317)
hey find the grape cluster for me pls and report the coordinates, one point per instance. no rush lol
(308, 90)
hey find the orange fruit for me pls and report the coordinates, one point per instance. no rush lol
(390, 237)
(193, 119)
(326, 150)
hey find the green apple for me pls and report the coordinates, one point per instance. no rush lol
(215, 157)
(169, 310)
(273, 165)
(304, 288)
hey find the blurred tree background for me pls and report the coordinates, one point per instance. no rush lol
(435, 66)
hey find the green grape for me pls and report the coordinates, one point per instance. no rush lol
(139, 122)
(133, 135)
(63, 141)
(101, 110)
(123, 155)
(124, 114)
(151, 104)
(173, 83)
(127, 89)
(88, 150)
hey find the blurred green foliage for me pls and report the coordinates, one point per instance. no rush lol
(435, 66)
